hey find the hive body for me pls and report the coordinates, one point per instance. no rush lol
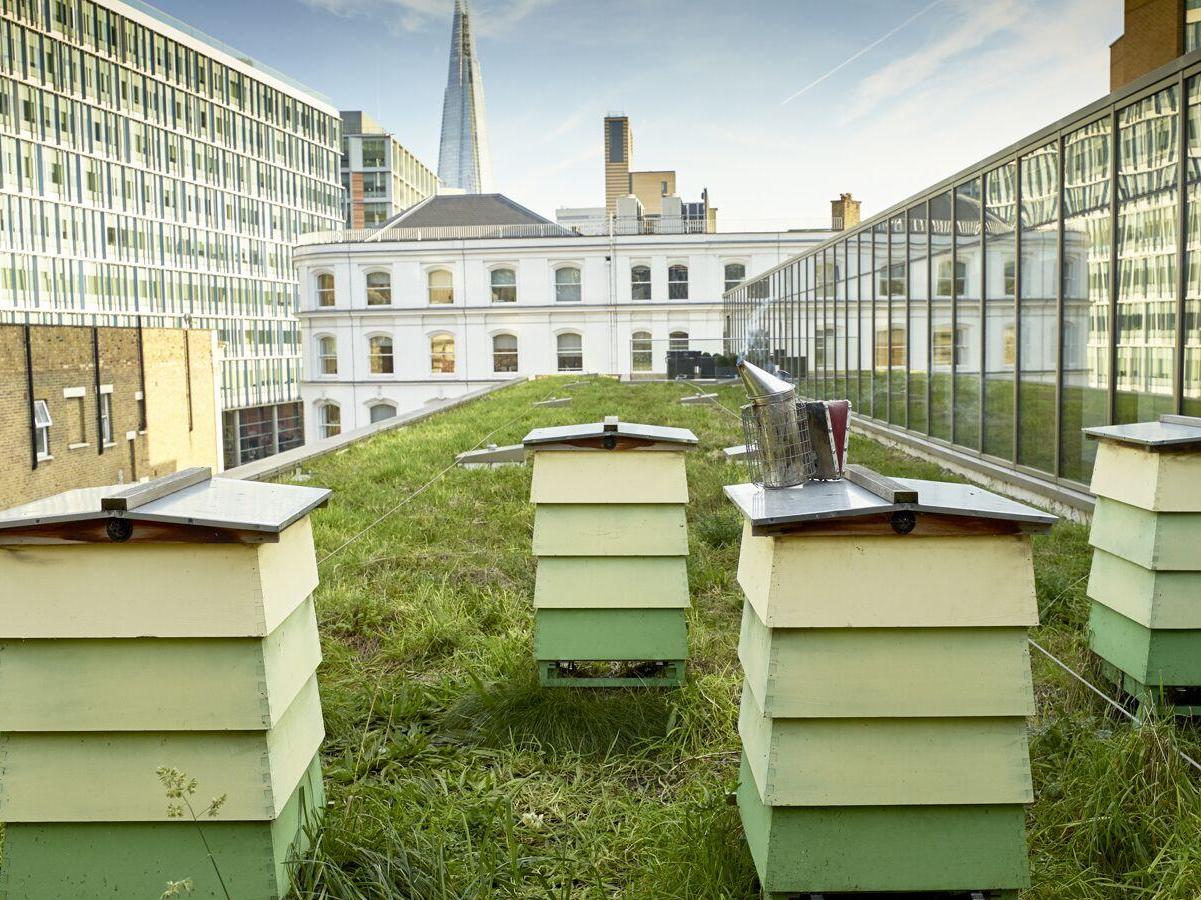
(884, 705)
(1145, 581)
(610, 536)
(111, 668)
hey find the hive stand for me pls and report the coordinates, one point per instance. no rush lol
(1145, 582)
(610, 536)
(164, 624)
(887, 685)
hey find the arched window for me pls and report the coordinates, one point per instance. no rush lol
(640, 282)
(381, 411)
(677, 340)
(442, 354)
(504, 286)
(329, 418)
(379, 289)
(380, 353)
(327, 351)
(441, 287)
(735, 273)
(677, 283)
(640, 348)
(567, 284)
(570, 347)
(504, 353)
(325, 289)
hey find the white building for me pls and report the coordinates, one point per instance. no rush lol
(463, 291)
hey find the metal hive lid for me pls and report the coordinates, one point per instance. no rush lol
(564, 433)
(214, 503)
(1169, 433)
(834, 501)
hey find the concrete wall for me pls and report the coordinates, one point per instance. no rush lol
(65, 377)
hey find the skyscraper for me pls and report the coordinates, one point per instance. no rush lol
(463, 159)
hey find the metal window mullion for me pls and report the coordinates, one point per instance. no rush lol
(983, 310)
(908, 341)
(1181, 251)
(954, 394)
(929, 315)
(1017, 310)
(1057, 414)
(1114, 286)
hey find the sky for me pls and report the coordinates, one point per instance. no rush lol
(775, 106)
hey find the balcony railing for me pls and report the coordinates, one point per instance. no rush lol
(431, 233)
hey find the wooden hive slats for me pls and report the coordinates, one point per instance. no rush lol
(886, 672)
(610, 530)
(886, 762)
(608, 477)
(1153, 599)
(1159, 482)
(155, 590)
(889, 581)
(612, 582)
(1160, 541)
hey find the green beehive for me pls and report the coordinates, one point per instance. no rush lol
(887, 685)
(610, 535)
(167, 624)
(1145, 582)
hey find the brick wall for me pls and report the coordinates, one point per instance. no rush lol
(356, 200)
(1153, 36)
(64, 375)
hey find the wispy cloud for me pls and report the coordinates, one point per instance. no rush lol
(975, 25)
(862, 50)
(416, 15)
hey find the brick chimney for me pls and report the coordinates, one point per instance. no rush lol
(844, 212)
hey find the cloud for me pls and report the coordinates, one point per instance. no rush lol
(398, 16)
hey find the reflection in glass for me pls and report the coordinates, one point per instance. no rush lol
(839, 325)
(942, 342)
(966, 354)
(1000, 330)
(1038, 220)
(881, 363)
(1146, 276)
(1086, 256)
(1192, 285)
(898, 326)
(852, 320)
(866, 314)
(918, 324)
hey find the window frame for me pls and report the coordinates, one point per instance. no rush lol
(674, 289)
(323, 358)
(560, 353)
(578, 285)
(42, 421)
(321, 293)
(373, 355)
(515, 353)
(438, 357)
(385, 291)
(323, 423)
(502, 289)
(430, 288)
(637, 288)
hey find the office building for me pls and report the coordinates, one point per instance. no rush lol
(380, 178)
(91, 406)
(1048, 288)
(469, 290)
(1155, 32)
(464, 161)
(151, 175)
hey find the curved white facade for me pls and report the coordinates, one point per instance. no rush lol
(345, 375)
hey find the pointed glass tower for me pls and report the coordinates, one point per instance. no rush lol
(463, 159)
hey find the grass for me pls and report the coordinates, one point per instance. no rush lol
(452, 775)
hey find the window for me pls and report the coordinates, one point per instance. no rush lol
(379, 289)
(570, 348)
(441, 287)
(381, 411)
(640, 282)
(735, 274)
(373, 153)
(504, 353)
(327, 351)
(504, 286)
(567, 284)
(677, 283)
(640, 350)
(381, 355)
(106, 418)
(677, 340)
(944, 286)
(42, 422)
(325, 289)
(329, 418)
(442, 354)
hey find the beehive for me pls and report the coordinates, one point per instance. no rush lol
(887, 685)
(1145, 582)
(172, 627)
(611, 539)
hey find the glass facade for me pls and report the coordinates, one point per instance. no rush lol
(146, 175)
(1033, 295)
